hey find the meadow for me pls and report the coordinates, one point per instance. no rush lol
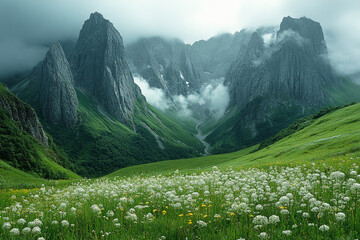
(308, 201)
(304, 186)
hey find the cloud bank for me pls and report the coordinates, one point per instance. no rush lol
(212, 100)
(154, 96)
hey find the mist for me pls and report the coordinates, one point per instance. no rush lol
(154, 96)
(27, 26)
(212, 99)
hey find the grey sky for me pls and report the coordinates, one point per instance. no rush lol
(26, 24)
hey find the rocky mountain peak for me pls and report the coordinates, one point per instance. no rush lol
(101, 70)
(307, 29)
(57, 96)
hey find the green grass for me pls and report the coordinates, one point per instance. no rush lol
(286, 179)
(345, 93)
(22, 151)
(183, 165)
(330, 137)
(99, 144)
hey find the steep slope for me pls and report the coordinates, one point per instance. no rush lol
(57, 95)
(214, 56)
(101, 70)
(96, 112)
(271, 85)
(331, 138)
(23, 142)
(165, 64)
(49, 88)
(100, 144)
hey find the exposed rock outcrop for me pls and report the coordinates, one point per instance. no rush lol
(58, 98)
(293, 67)
(164, 64)
(274, 83)
(23, 114)
(100, 68)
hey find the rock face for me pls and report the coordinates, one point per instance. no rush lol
(214, 56)
(23, 114)
(57, 96)
(276, 82)
(100, 68)
(293, 66)
(164, 64)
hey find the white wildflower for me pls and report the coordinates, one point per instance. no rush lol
(26, 230)
(286, 232)
(260, 220)
(340, 217)
(64, 223)
(6, 226)
(273, 219)
(263, 235)
(21, 221)
(202, 223)
(110, 213)
(324, 228)
(36, 230)
(14, 232)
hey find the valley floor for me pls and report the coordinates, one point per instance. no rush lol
(307, 201)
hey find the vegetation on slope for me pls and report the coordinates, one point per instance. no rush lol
(328, 138)
(22, 151)
(236, 131)
(99, 144)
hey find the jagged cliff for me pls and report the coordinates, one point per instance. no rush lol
(101, 70)
(214, 56)
(23, 142)
(164, 64)
(90, 104)
(274, 83)
(22, 114)
(293, 67)
(57, 95)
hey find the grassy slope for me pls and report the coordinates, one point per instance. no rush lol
(328, 138)
(231, 132)
(99, 144)
(12, 178)
(20, 150)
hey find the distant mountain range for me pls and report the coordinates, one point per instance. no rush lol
(86, 98)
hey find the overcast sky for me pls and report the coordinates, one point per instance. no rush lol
(26, 24)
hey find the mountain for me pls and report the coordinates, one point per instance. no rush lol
(214, 56)
(23, 143)
(165, 64)
(274, 83)
(327, 137)
(101, 70)
(88, 101)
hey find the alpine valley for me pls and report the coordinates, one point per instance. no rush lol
(246, 135)
(98, 120)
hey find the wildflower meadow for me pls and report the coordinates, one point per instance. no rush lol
(309, 201)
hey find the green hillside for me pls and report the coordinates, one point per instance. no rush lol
(328, 138)
(237, 129)
(99, 144)
(21, 151)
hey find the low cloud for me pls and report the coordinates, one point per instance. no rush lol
(211, 101)
(17, 56)
(155, 96)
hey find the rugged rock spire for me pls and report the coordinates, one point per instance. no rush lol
(57, 96)
(100, 68)
(165, 64)
(293, 67)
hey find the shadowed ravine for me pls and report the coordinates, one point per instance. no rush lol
(202, 139)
